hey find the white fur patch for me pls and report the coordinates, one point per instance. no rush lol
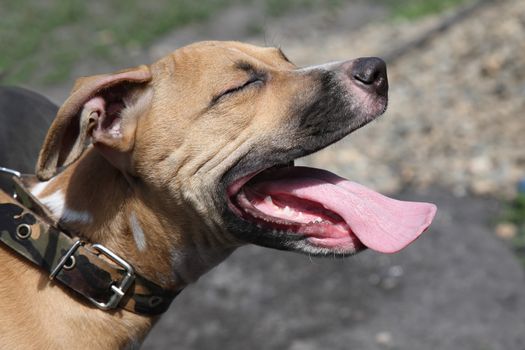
(39, 188)
(56, 203)
(70, 215)
(138, 233)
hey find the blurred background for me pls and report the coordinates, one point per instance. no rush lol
(454, 134)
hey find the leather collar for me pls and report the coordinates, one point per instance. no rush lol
(91, 270)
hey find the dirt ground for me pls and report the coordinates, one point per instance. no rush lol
(457, 287)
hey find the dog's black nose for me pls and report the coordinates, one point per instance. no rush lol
(370, 72)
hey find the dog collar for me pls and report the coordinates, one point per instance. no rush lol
(91, 270)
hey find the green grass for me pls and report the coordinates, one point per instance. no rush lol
(413, 9)
(514, 213)
(43, 39)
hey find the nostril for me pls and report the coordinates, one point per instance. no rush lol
(371, 72)
(366, 77)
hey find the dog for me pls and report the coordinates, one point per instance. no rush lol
(174, 165)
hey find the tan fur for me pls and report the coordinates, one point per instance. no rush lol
(178, 148)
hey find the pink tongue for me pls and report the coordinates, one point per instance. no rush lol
(381, 223)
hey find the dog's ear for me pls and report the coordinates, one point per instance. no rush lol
(96, 110)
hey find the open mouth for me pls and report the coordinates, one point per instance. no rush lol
(313, 210)
(327, 211)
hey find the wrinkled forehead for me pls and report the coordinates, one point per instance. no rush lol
(212, 54)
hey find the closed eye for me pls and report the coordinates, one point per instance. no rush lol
(254, 80)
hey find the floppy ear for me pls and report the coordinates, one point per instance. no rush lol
(95, 109)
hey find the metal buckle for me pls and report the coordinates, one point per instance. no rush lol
(12, 173)
(118, 290)
(64, 259)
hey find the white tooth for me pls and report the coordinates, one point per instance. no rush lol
(318, 220)
(268, 199)
(300, 216)
(288, 211)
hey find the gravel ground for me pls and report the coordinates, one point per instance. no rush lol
(456, 105)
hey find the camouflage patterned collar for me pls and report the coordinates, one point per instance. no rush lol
(91, 270)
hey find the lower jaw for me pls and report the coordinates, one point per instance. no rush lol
(348, 245)
(312, 241)
(326, 247)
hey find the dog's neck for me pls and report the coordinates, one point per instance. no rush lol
(97, 202)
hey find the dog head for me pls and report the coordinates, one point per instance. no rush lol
(211, 132)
